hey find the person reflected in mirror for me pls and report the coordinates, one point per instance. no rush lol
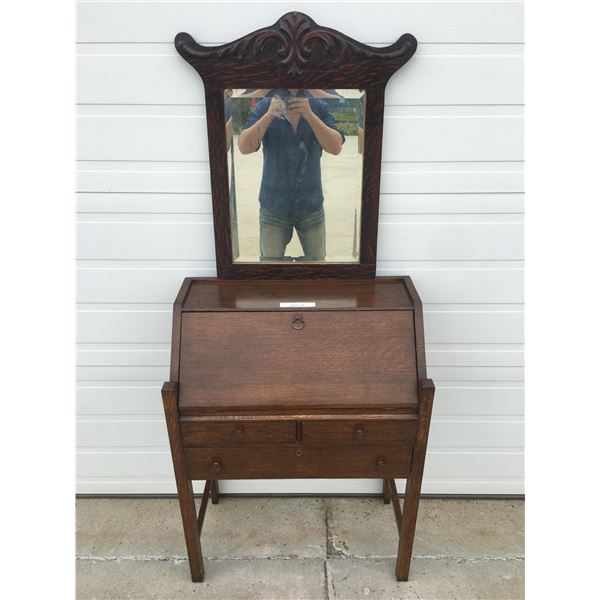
(293, 127)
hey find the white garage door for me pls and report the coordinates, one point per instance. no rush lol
(451, 218)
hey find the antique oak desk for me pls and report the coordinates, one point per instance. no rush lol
(261, 390)
(294, 365)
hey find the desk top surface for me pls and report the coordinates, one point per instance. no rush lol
(380, 293)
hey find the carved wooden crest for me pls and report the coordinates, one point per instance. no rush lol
(295, 48)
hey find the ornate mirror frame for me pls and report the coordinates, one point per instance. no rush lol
(295, 52)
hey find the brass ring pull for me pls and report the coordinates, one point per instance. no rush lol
(380, 463)
(298, 322)
(216, 465)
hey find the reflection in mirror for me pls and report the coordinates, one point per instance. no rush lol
(295, 174)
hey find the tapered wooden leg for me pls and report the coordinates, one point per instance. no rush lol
(185, 491)
(203, 506)
(386, 492)
(395, 502)
(407, 529)
(214, 491)
(413, 484)
(190, 530)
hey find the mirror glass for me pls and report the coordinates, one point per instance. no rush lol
(295, 174)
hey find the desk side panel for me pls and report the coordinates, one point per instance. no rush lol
(176, 331)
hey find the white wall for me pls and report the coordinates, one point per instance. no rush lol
(451, 218)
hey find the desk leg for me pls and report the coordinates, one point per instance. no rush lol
(185, 491)
(214, 491)
(413, 483)
(386, 492)
(408, 525)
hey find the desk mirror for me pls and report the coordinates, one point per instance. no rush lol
(295, 174)
(295, 122)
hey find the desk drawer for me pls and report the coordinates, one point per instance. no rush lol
(274, 461)
(210, 433)
(362, 432)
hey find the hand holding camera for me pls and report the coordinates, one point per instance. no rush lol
(277, 108)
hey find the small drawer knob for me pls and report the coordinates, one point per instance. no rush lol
(359, 432)
(297, 322)
(239, 431)
(380, 463)
(216, 465)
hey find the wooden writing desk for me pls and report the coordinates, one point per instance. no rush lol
(335, 386)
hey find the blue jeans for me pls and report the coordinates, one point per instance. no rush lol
(276, 233)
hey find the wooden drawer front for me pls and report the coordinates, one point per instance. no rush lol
(210, 433)
(268, 461)
(367, 432)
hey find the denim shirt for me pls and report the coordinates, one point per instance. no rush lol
(291, 178)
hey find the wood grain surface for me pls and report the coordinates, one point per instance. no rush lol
(284, 461)
(380, 293)
(338, 359)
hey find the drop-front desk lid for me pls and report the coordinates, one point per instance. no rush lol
(294, 346)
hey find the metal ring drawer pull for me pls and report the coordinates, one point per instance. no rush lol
(239, 431)
(298, 322)
(216, 464)
(359, 432)
(380, 463)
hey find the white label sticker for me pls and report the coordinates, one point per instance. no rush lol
(297, 304)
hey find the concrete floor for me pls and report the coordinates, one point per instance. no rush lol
(277, 548)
